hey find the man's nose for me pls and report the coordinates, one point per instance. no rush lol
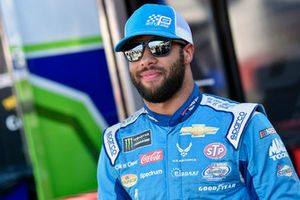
(147, 58)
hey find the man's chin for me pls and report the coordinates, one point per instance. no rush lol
(151, 86)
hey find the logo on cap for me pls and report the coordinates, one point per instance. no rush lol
(158, 20)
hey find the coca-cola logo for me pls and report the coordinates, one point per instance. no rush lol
(151, 157)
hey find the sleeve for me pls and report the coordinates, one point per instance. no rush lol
(109, 186)
(265, 164)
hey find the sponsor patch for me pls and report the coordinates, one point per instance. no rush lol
(198, 130)
(215, 151)
(216, 171)
(184, 152)
(241, 115)
(126, 165)
(129, 180)
(216, 103)
(277, 150)
(137, 141)
(238, 121)
(216, 188)
(284, 171)
(176, 172)
(266, 132)
(151, 157)
(111, 145)
(151, 173)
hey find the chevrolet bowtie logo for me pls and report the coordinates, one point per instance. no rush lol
(198, 130)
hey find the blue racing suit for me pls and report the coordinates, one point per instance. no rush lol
(211, 148)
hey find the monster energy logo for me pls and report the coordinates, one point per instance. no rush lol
(137, 141)
(128, 144)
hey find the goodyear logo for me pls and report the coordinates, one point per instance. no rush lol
(137, 141)
(129, 180)
(220, 187)
(198, 130)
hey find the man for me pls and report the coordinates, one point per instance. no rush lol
(185, 144)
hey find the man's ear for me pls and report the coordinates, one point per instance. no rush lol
(188, 52)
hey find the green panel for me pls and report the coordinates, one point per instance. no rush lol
(76, 42)
(64, 143)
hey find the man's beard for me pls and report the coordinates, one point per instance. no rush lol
(168, 87)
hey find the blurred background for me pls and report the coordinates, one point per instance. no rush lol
(61, 83)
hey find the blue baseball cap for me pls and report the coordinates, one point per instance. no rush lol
(157, 20)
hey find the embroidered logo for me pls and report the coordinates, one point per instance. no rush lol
(159, 20)
(184, 152)
(237, 125)
(198, 130)
(151, 157)
(112, 144)
(266, 132)
(151, 173)
(215, 151)
(137, 141)
(176, 172)
(216, 171)
(129, 180)
(277, 150)
(284, 171)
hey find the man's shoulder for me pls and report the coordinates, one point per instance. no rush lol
(133, 118)
(110, 135)
(241, 113)
(127, 122)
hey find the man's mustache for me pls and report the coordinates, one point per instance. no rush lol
(162, 70)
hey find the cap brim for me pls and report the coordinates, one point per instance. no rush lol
(120, 46)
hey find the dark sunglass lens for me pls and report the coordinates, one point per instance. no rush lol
(134, 54)
(159, 47)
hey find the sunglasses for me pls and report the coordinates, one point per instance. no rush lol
(158, 47)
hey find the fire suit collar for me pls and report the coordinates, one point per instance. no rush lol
(181, 114)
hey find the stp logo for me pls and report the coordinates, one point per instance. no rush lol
(215, 151)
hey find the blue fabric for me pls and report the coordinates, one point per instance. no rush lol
(188, 155)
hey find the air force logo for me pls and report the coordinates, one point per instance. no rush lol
(184, 152)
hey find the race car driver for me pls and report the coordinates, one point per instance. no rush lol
(184, 144)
